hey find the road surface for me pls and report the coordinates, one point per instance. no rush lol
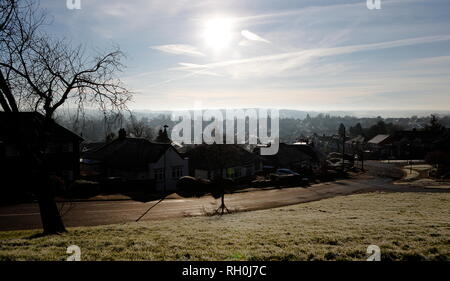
(89, 213)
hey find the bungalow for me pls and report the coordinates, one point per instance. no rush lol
(137, 159)
(412, 144)
(225, 160)
(297, 157)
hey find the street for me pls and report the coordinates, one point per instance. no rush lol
(89, 213)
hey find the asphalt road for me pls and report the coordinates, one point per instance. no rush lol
(26, 216)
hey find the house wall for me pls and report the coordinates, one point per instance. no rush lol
(168, 162)
(232, 172)
(62, 157)
(128, 174)
(201, 174)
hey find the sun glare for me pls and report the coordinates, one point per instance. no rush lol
(218, 33)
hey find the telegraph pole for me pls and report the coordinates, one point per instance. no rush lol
(343, 150)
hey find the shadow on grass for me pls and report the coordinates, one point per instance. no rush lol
(42, 235)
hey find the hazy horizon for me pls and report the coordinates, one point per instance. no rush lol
(296, 113)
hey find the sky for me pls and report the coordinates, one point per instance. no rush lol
(309, 55)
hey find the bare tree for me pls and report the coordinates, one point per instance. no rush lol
(6, 9)
(219, 156)
(139, 128)
(41, 73)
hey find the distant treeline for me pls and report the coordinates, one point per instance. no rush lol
(96, 128)
(324, 124)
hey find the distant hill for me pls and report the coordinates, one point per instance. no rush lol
(296, 114)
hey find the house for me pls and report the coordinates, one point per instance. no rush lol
(355, 145)
(380, 147)
(327, 144)
(297, 157)
(379, 141)
(137, 159)
(414, 144)
(23, 131)
(227, 160)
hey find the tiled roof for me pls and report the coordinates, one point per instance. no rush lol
(128, 152)
(216, 156)
(378, 139)
(29, 125)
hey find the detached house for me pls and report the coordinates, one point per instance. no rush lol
(59, 146)
(136, 159)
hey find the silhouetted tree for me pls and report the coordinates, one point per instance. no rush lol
(43, 73)
(219, 157)
(139, 128)
(434, 126)
(357, 130)
(110, 137)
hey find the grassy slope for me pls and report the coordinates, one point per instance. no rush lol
(404, 225)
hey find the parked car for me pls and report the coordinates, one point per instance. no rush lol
(193, 187)
(286, 172)
(196, 187)
(287, 177)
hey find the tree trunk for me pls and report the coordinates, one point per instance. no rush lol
(44, 189)
(223, 201)
(50, 217)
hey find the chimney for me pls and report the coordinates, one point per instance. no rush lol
(122, 134)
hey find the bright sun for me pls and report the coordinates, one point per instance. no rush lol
(218, 33)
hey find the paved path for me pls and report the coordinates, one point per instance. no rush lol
(26, 216)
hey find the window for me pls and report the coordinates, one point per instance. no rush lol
(52, 148)
(237, 172)
(248, 171)
(177, 172)
(67, 147)
(258, 165)
(158, 174)
(230, 173)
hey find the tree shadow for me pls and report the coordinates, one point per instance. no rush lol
(416, 189)
(143, 196)
(41, 235)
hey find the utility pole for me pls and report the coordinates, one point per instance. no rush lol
(362, 160)
(164, 171)
(343, 150)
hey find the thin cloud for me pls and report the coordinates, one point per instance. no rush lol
(179, 49)
(202, 70)
(253, 37)
(194, 65)
(298, 58)
(445, 60)
(318, 9)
